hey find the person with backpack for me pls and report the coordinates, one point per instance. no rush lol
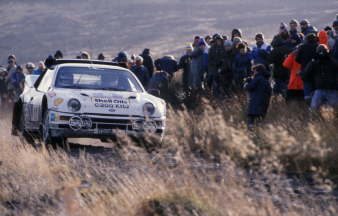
(259, 94)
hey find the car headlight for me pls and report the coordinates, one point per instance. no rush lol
(148, 109)
(74, 105)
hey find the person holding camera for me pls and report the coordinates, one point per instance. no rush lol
(259, 94)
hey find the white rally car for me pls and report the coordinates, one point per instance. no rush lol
(91, 99)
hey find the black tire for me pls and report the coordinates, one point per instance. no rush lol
(25, 135)
(46, 137)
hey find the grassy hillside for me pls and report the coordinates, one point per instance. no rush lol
(208, 164)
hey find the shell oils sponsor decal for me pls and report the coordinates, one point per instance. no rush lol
(111, 103)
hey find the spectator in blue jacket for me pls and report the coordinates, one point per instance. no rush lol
(41, 68)
(17, 80)
(199, 64)
(241, 65)
(140, 71)
(261, 51)
(259, 94)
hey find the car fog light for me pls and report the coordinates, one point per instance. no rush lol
(137, 125)
(149, 127)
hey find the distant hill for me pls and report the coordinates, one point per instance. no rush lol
(32, 29)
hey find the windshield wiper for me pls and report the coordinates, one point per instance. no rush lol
(113, 89)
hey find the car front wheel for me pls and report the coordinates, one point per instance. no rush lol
(46, 135)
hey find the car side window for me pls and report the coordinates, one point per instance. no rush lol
(46, 81)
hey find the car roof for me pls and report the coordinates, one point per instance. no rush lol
(91, 65)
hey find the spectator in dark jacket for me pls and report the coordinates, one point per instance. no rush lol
(167, 64)
(295, 36)
(241, 65)
(185, 65)
(58, 54)
(140, 71)
(148, 61)
(277, 39)
(216, 58)
(334, 40)
(159, 84)
(259, 93)
(306, 53)
(278, 55)
(307, 28)
(323, 72)
(236, 33)
(122, 59)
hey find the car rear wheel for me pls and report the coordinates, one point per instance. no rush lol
(26, 136)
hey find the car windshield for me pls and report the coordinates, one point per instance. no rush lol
(97, 79)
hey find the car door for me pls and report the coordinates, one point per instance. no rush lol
(34, 103)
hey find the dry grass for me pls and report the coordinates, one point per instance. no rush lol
(209, 164)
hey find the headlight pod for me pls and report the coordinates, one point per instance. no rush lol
(148, 109)
(74, 105)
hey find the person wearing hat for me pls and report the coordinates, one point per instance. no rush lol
(216, 57)
(122, 59)
(11, 68)
(241, 65)
(148, 61)
(261, 51)
(140, 71)
(277, 39)
(323, 72)
(277, 56)
(58, 54)
(30, 67)
(185, 65)
(196, 41)
(307, 28)
(17, 80)
(41, 68)
(101, 57)
(295, 36)
(198, 64)
(259, 94)
(307, 52)
(84, 55)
